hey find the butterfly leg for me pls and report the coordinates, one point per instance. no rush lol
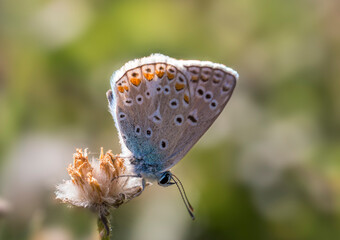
(136, 176)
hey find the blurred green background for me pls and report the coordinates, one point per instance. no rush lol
(269, 168)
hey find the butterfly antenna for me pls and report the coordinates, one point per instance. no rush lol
(190, 206)
(184, 196)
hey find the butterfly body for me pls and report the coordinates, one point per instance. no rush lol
(162, 106)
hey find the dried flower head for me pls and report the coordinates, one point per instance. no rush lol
(97, 185)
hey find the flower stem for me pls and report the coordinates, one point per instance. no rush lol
(104, 228)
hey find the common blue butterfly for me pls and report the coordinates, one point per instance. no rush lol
(162, 106)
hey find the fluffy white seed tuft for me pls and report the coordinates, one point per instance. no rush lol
(96, 184)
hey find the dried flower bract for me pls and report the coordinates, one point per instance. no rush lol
(99, 184)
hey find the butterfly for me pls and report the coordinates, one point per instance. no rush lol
(162, 106)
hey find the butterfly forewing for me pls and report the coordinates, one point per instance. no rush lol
(211, 88)
(163, 106)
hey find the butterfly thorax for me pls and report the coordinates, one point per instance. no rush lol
(147, 170)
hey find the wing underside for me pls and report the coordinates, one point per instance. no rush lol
(163, 106)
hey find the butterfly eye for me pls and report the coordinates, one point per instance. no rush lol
(165, 179)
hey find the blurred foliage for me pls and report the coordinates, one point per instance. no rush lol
(269, 168)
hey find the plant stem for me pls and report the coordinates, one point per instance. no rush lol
(104, 228)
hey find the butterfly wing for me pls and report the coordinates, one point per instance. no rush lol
(162, 106)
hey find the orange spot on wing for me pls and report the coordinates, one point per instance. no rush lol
(215, 80)
(170, 75)
(135, 81)
(126, 88)
(225, 88)
(148, 76)
(194, 78)
(120, 89)
(179, 86)
(160, 73)
(186, 98)
(204, 78)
